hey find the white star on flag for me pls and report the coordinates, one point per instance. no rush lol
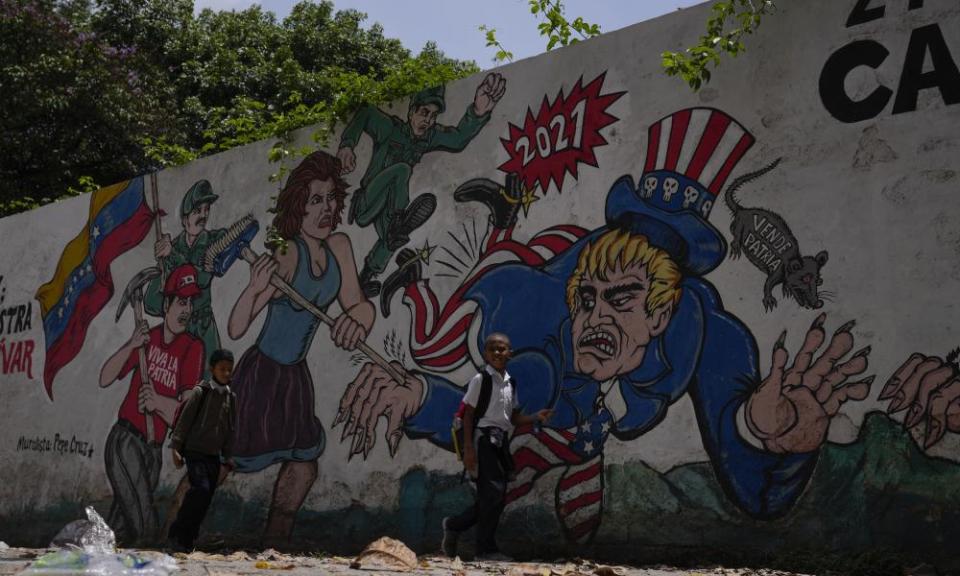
(96, 232)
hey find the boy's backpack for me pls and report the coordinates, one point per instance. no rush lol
(483, 402)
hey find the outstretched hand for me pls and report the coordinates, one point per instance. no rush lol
(930, 388)
(790, 410)
(374, 394)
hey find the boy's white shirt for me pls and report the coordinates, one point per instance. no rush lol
(503, 399)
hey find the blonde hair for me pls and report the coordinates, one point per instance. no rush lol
(619, 249)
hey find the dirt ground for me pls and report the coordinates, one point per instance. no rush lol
(15, 560)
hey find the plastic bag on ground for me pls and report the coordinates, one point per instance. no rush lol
(78, 562)
(92, 535)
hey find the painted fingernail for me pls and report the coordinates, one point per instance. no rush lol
(781, 339)
(889, 388)
(818, 322)
(846, 327)
(898, 404)
(869, 380)
(913, 416)
(863, 352)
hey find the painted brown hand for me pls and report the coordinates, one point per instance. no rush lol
(927, 387)
(489, 92)
(790, 410)
(374, 394)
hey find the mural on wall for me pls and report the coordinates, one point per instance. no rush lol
(82, 284)
(16, 347)
(928, 387)
(620, 313)
(188, 248)
(563, 134)
(276, 403)
(627, 325)
(770, 246)
(383, 198)
(165, 361)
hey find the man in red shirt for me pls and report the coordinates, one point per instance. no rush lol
(174, 365)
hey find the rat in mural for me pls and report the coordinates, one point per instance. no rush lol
(770, 246)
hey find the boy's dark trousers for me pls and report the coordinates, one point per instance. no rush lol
(493, 470)
(203, 470)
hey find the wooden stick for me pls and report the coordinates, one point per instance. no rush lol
(280, 284)
(144, 373)
(138, 306)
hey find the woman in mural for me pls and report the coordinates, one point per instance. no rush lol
(275, 393)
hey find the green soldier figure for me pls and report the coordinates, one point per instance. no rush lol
(383, 198)
(188, 248)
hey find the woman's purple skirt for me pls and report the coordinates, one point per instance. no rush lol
(275, 413)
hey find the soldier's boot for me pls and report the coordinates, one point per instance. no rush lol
(503, 201)
(409, 219)
(409, 270)
(368, 283)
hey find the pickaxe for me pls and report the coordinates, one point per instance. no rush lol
(133, 294)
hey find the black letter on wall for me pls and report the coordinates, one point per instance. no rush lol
(913, 79)
(835, 99)
(861, 14)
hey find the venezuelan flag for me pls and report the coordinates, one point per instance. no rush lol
(82, 285)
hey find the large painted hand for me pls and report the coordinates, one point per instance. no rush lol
(790, 410)
(348, 160)
(930, 388)
(372, 395)
(489, 93)
(347, 332)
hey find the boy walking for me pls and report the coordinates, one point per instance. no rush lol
(486, 454)
(202, 437)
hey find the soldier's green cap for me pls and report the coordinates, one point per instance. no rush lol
(200, 193)
(434, 95)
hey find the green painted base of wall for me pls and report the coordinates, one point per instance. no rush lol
(871, 507)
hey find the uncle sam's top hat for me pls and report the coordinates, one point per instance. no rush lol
(690, 155)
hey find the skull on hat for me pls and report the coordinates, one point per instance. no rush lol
(650, 186)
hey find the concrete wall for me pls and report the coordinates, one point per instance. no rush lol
(680, 423)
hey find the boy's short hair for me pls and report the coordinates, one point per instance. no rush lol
(221, 355)
(495, 336)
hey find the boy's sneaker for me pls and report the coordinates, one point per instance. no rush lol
(450, 537)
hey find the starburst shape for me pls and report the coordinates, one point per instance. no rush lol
(528, 198)
(424, 253)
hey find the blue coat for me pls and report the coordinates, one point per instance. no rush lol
(705, 352)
